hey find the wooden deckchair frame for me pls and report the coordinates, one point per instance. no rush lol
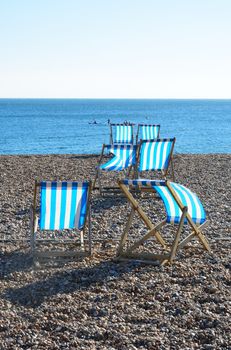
(108, 189)
(120, 124)
(163, 172)
(171, 251)
(57, 253)
(138, 130)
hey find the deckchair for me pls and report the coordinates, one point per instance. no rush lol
(64, 205)
(123, 159)
(121, 133)
(182, 207)
(155, 155)
(147, 132)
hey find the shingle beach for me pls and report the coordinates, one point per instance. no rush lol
(97, 303)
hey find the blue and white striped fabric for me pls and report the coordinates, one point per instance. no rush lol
(143, 182)
(149, 132)
(124, 156)
(63, 205)
(155, 155)
(123, 133)
(187, 198)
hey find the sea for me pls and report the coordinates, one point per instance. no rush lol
(81, 126)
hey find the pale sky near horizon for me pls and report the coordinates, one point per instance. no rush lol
(115, 49)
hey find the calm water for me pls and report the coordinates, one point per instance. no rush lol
(42, 126)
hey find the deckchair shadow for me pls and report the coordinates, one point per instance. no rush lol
(107, 202)
(33, 294)
(15, 261)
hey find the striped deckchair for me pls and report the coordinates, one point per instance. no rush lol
(156, 155)
(63, 205)
(182, 207)
(147, 132)
(120, 133)
(124, 158)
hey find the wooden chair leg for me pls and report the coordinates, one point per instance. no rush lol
(177, 237)
(97, 172)
(31, 230)
(99, 180)
(81, 241)
(190, 237)
(89, 230)
(172, 169)
(95, 179)
(125, 233)
(203, 240)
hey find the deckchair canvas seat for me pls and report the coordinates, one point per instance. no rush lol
(124, 158)
(64, 205)
(155, 155)
(182, 206)
(121, 134)
(173, 211)
(147, 132)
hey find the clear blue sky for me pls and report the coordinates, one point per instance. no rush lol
(115, 48)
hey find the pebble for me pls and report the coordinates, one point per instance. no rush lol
(97, 304)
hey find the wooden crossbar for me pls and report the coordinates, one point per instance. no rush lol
(151, 233)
